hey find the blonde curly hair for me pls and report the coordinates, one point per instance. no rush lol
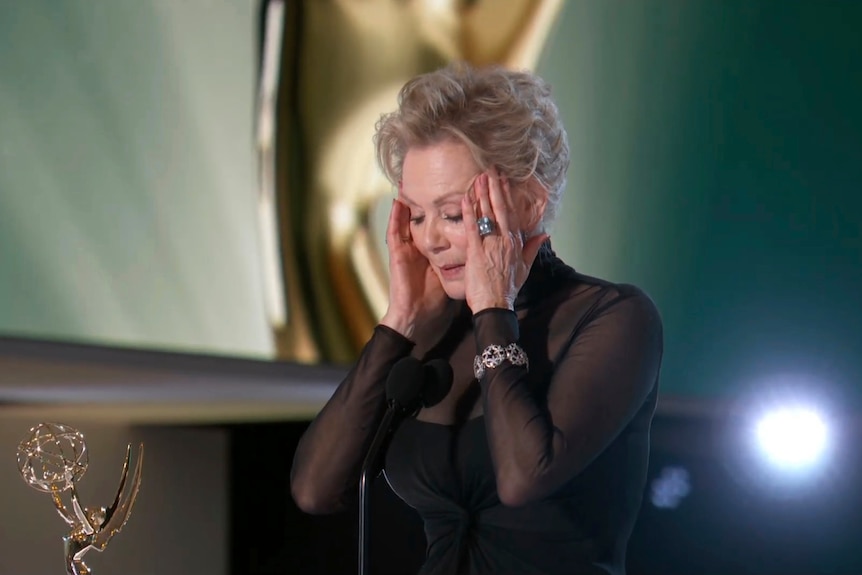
(506, 118)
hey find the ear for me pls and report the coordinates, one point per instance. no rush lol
(534, 200)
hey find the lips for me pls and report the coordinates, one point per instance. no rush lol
(451, 271)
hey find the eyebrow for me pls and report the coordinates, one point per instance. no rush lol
(445, 198)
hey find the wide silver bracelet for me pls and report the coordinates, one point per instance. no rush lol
(494, 355)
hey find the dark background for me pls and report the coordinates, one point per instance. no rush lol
(734, 520)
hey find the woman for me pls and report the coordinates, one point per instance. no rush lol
(536, 460)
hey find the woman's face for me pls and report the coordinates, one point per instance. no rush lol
(433, 181)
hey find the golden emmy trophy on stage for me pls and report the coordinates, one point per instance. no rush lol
(328, 70)
(52, 459)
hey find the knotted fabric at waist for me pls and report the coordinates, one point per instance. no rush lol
(539, 535)
(535, 518)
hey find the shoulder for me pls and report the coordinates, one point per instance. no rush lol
(556, 292)
(607, 301)
(630, 297)
(622, 323)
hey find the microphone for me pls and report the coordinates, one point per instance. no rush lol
(436, 383)
(410, 385)
(404, 385)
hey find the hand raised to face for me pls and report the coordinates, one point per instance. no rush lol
(499, 262)
(415, 292)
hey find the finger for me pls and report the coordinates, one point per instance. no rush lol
(499, 206)
(507, 193)
(404, 216)
(404, 222)
(483, 197)
(393, 228)
(469, 216)
(398, 230)
(514, 215)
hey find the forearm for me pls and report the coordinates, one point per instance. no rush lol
(330, 452)
(543, 433)
(521, 435)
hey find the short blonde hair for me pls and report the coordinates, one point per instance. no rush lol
(506, 118)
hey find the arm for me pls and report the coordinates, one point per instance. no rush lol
(330, 452)
(602, 379)
(61, 508)
(83, 520)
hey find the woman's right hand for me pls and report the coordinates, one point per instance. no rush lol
(416, 296)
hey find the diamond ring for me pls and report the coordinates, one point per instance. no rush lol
(486, 226)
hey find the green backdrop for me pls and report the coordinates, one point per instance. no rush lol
(718, 163)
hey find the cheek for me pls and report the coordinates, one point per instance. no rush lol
(457, 237)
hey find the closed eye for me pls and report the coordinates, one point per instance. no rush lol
(454, 218)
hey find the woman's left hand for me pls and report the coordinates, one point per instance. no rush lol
(497, 264)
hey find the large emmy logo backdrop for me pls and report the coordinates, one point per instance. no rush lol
(328, 71)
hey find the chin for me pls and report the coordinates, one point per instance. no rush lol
(455, 290)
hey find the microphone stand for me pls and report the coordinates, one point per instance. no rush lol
(369, 470)
(425, 385)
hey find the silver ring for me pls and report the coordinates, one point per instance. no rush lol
(486, 226)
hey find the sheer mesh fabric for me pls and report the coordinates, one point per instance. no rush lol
(536, 469)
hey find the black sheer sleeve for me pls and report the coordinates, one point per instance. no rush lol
(601, 380)
(330, 452)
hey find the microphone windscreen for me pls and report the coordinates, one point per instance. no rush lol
(404, 383)
(438, 381)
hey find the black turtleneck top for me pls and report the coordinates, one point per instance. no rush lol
(532, 470)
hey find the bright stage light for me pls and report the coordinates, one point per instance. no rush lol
(786, 436)
(793, 437)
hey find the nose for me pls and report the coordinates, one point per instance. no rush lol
(434, 238)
